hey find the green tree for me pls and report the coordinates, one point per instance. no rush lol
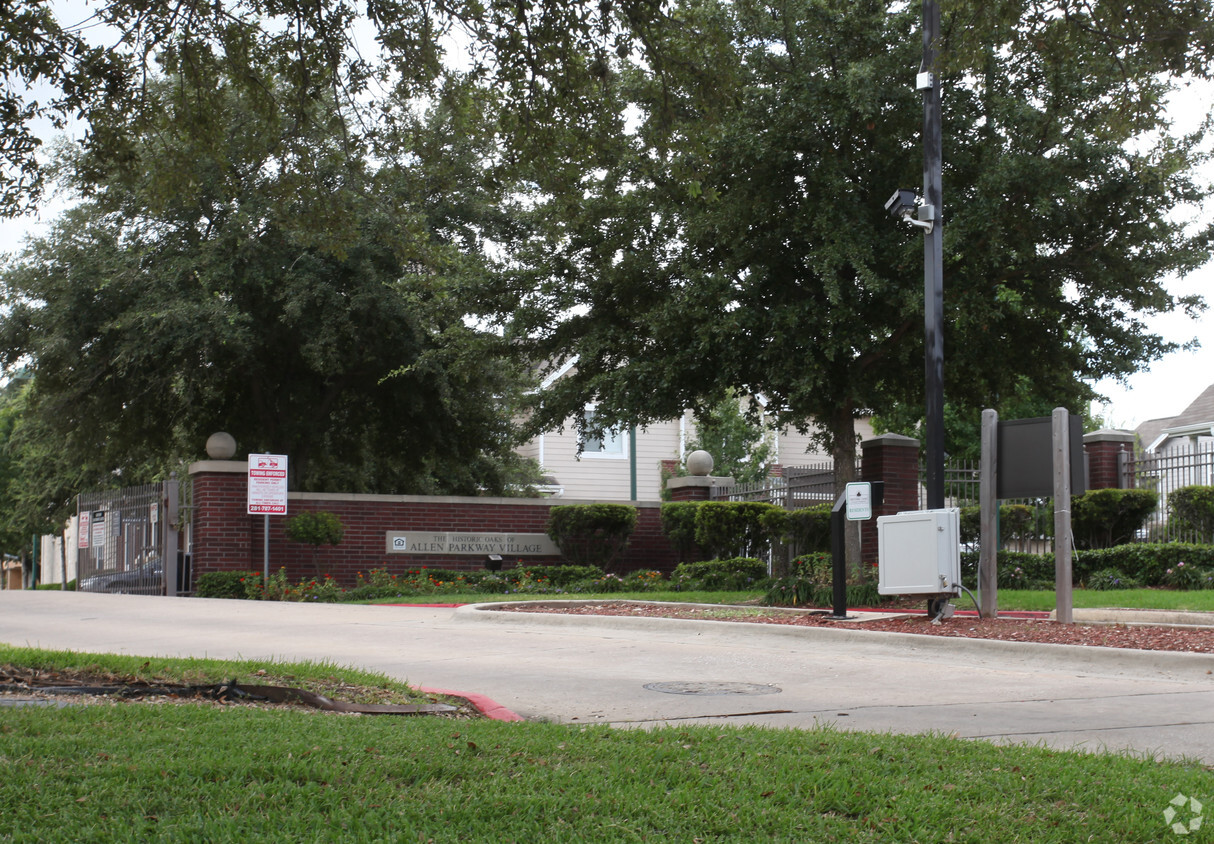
(152, 316)
(315, 528)
(283, 55)
(732, 235)
(739, 447)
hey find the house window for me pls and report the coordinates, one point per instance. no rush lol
(613, 443)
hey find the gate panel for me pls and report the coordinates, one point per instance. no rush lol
(123, 539)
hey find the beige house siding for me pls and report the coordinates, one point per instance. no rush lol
(607, 477)
(603, 477)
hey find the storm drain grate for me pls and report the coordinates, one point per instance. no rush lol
(711, 689)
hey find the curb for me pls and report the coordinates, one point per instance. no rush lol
(1189, 667)
(486, 706)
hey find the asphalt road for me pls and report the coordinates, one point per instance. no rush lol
(637, 672)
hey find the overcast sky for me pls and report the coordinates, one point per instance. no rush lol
(1163, 390)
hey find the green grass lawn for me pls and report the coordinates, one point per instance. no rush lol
(1148, 599)
(142, 772)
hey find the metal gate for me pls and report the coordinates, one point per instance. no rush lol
(128, 540)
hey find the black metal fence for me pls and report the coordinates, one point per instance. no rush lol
(1164, 473)
(124, 538)
(797, 487)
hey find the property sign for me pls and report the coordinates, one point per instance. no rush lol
(97, 528)
(268, 484)
(470, 544)
(82, 529)
(859, 501)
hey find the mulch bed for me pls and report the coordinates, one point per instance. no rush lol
(1150, 638)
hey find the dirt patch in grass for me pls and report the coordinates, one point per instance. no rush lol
(85, 686)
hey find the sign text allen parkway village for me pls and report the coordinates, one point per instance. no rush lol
(460, 542)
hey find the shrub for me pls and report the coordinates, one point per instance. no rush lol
(1017, 523)
(727, 575)
(58, 587)
(1143, 562)
(1013, 570)
(591, 534)
(228, 584)
(645, 580)
(1188, 576)
(278, 587)
(315, 528)
(1104, 518)
(812, 584)
(1106, 579)
(1192, 508)
(732, 528)
(808, 530)
(558, 576)
(606, 584)
(679, 526)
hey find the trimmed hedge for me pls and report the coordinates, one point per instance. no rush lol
(724, 575)
(228, 584)
(558, 576)
(808, 529)
(1106, 518)
(733, 528)
(591, 534)
(679, 526)
(1017, 523)
(1141, 562)
(1192, 508)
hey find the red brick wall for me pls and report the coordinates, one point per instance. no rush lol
(895, 460)
(226, 538)
(1104, 454)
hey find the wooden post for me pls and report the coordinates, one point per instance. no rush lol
(1063, 600)
(988, 535)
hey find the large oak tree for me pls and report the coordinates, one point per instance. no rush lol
(192, 294)
(726, 228)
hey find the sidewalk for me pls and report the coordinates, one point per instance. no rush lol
(638, 672)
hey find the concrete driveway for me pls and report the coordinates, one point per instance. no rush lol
(635, 672)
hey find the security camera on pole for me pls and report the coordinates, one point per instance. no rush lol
(904, 205)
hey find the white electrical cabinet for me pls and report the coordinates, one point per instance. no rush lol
(919, 552)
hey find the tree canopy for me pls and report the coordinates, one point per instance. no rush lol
(186, 297)
(729, 230)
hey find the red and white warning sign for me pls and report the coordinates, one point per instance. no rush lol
(268, 484)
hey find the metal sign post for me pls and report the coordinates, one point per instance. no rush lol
(856, 503)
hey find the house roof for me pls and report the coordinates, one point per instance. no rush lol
(1199, 412)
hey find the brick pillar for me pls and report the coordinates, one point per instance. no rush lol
(894, 460)
(695, 487)
(222, 531)
(1104, 450)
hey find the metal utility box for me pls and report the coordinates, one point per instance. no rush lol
(919, 552)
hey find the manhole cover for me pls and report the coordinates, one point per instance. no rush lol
(706, 689)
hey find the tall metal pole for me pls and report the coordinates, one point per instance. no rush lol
(933, 260)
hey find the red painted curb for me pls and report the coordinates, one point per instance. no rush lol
(486, 706)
